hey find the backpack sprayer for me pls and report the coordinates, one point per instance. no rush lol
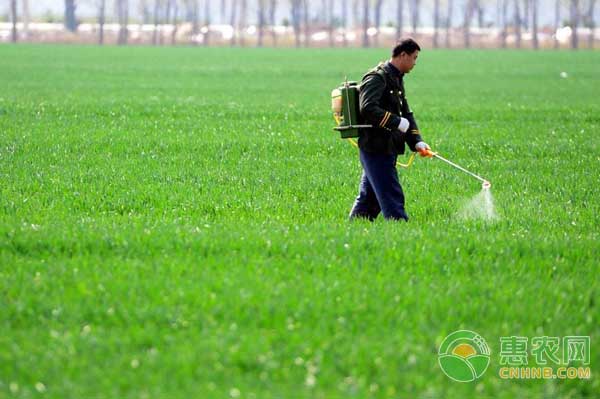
(345, 108)
(344, 104)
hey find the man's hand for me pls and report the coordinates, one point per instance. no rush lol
(423, 149)
(404, 125)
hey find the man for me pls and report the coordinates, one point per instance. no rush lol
(383, 105)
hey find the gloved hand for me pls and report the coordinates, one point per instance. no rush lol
(404, 125)
(423, 149)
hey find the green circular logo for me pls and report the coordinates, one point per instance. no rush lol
(464, 356)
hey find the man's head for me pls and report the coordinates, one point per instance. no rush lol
(404, 55)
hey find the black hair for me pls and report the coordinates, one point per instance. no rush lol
(408, 46)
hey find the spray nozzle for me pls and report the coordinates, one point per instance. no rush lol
(486, 185)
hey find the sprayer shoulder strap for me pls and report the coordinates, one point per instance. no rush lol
(391, 84)
(381, 72)
(389, 80)
(378, 70)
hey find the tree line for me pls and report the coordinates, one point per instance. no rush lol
(512, 17)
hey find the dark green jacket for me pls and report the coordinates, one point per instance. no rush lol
(382, 102)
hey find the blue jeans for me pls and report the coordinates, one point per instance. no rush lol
(379, 190)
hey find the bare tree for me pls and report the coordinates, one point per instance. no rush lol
(330, 22)
(167, 16)
(478, 5)
(399, 18)
(344, 21)
(232, 20)
(101, 20)
(574, 8)
(557, 24)
(534, 24)
(272, 22)
(525, 20)
(207, 20)
(223, 10)
(469, 7)
(156, 31)
(415, 8)
(517, 20)
(242, 21)
(498, 13)
(192, 17)
(305, 17)
(123, 18)
(175, 22)
(296, 12)
(13, 19)
(589, 21)
(436, 22)
(504, 33)
(378, 4)
(144, 9)
(26, 18)
(365, 40)
(70, 20)
(261, 21)
(356, 13)
(195, 8)
(449, 16)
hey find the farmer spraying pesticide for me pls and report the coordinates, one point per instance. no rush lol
(383, 105)
(377, 113)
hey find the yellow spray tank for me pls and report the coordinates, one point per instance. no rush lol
(345, 108)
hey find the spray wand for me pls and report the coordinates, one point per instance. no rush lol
(485, 184)
(429, 154)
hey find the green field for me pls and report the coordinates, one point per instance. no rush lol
(173, 223)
